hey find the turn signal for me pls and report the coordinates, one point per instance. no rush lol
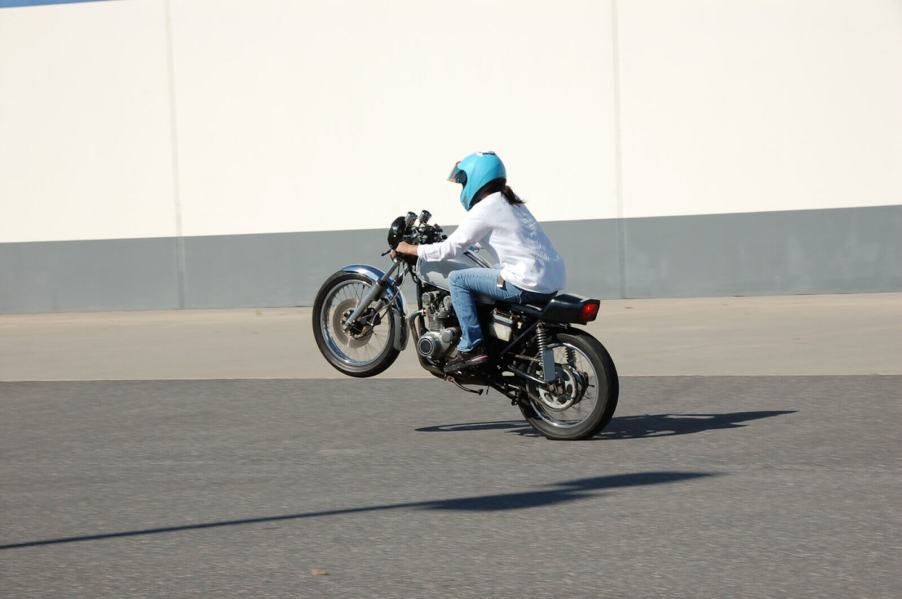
(588, 311)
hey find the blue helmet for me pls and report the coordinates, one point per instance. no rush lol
(473, 172)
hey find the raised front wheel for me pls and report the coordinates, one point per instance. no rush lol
(364, 349)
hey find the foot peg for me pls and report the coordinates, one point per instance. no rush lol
(465, 361)
(451, 379)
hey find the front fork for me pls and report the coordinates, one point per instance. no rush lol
(374, 293)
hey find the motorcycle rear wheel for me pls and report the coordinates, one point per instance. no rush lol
(561, 418)
(359, 353)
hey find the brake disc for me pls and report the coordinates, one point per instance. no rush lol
(351, 338)
(566, 391)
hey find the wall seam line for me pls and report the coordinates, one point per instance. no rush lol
(181, 267)
(618, 148)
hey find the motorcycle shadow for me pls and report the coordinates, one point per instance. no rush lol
(629, 427)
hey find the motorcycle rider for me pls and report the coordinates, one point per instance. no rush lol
(529, 270)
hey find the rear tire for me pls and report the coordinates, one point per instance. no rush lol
(606, 393)
(333, 342)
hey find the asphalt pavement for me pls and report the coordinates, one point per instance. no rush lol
(771, 486)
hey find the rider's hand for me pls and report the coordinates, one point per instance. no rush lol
(405, 249)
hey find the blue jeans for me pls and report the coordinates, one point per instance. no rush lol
(468, 283)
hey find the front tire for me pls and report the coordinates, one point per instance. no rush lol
(562, 418)
(359, 353)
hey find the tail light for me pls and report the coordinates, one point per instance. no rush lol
(588, 311)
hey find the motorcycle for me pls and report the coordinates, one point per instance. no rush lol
(562, 379)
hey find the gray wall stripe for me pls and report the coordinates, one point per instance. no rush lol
(813, 251)
(66, 276)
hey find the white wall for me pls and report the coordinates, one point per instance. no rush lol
(760, 105)
(85, 149)
(340, 115)
(316, 115)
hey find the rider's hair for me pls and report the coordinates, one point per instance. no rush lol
(495, 186)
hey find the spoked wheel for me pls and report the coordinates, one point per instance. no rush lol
(583, 400)
(368, 347)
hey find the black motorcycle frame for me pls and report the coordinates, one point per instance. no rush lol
(508, 361)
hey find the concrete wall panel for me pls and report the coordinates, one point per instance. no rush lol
(760, 105)
(813, 251)
(264, 144)
(85, 145)
(72, 276)
(277, 269)
(304, 116)
(285, 269)
(787, 252)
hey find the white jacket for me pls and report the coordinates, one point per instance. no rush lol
(527, 258)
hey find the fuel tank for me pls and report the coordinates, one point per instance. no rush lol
(436, 273)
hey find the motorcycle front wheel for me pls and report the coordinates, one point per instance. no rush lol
(365, 349)
(584, 401)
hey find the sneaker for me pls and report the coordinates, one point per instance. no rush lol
(467, 359)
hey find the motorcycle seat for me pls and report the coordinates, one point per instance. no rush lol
(531, 307)
(563, 307)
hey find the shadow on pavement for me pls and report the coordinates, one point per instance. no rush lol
(628, 427)
(555, 493)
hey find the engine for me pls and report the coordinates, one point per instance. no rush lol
(435, 344)
(439, 336)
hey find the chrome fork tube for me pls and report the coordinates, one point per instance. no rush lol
(377, 289)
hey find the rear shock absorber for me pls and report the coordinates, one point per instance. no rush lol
(571, 356)
(541, 337)
(545, 354)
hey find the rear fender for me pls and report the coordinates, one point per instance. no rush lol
(395, 298)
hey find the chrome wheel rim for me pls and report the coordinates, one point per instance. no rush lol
(576, 398)
(359, 348)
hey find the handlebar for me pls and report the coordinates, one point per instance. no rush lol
(404, 228)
